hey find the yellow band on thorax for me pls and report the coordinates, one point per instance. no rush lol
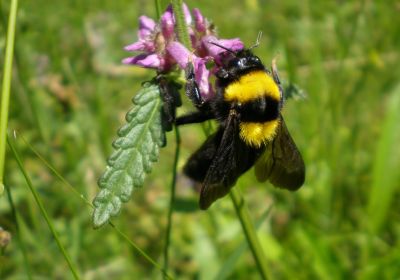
(251, 86)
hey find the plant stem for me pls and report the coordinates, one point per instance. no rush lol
(42, 209)
(172, 198)
(183, 33)
(158, 8)
(249, 231)
(5, 95)
(184, 38)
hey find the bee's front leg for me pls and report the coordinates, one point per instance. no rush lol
(192, 89)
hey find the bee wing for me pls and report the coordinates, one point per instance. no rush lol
(232, 158)
(281, 162)
(198, 164)
(221, 174)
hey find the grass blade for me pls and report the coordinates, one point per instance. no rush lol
(21, 243)
(229, 265)
(42, 209)
(249, 231)
(5, 95)
(385, 170)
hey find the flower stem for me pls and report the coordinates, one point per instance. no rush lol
(158, 8)
(184, 38)
(250, 232)
(5, 95)
(183, 33)
(172, 198)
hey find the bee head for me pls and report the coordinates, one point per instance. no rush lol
(241, 61)
(232, 64)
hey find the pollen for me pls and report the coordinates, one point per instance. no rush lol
(255, 134)
(251, 86)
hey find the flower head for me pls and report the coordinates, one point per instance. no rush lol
(153, 38)
(161, 50)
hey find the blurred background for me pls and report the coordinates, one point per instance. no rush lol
(70, 94)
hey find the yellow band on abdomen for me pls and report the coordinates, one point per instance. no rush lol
(255, 134)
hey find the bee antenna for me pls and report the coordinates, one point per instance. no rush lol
(257, 43)
(221, 46)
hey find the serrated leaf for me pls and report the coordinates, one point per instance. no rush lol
(136, 149)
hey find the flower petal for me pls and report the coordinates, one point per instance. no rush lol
(146, 26)
(188, 16)
(202, 75)
(145, 60)
(168, 23)
(137, 46)
(213, 50)
(233, 44)
(199, 21)
(182, 56)
(180, 53)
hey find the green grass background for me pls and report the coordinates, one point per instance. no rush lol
(70, 94)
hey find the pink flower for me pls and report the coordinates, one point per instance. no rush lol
(153, 39)
(145, 33)
(214, 50)
(161, 50)
(200, 22)
(182, 56)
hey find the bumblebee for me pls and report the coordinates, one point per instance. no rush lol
(247, 106)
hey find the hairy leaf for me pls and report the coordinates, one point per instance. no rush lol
(136, 148)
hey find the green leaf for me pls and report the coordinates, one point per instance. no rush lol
(136, 149)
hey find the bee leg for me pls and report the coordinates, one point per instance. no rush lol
(169, 91)
(277, 80)
(192, 91)
(195, 117)
(222, 74)
(192, 88)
